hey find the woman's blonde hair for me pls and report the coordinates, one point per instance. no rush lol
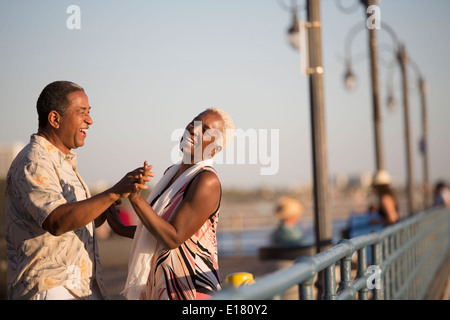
(228, 127)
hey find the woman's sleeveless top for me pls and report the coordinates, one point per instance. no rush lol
(190, 271)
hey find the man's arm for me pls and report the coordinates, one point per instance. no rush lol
(75, 215)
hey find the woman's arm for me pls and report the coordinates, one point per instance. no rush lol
(100, 220)
(391, 212)
(200, 201)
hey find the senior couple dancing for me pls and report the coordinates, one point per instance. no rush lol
(51, 217)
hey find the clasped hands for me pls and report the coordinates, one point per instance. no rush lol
(133, 182)
(142, 175)
(129, 186)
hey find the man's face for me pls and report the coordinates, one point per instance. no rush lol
(76, 121)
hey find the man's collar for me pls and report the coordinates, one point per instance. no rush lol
(53, 151)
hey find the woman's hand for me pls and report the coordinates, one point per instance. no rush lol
(143, 176)
(199, 202)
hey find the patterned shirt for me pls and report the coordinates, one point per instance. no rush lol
(191, 271)
(40, 179)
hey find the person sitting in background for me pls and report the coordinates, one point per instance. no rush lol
(288, 210)
(441, 195)
(387, 199)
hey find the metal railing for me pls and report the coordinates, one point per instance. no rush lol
(398, 262)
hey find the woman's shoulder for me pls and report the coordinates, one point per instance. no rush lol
(165, 171)
(206, 178)
(205, 182)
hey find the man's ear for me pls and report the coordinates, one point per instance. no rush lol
(54, 119)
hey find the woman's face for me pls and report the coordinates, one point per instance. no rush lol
(198, 140)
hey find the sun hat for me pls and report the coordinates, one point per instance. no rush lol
(382, 177)
(288, 207)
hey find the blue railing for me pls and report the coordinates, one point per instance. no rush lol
(403, 260)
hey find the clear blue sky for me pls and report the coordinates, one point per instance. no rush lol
(148, 67)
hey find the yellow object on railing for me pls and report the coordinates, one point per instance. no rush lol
(238, 279)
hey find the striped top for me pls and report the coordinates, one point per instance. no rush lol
(190, 271)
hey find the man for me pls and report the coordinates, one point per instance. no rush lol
(50, 216)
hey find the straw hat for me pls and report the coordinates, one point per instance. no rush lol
(381, 178)
(288, 207)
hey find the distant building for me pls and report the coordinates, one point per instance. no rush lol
(7, 154)
(343, 181)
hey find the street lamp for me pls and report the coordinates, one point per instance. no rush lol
(312, 66)
(350, 79)
(390, 100)
(314, 69)
(294, 35)
(294, 31)
(405, 61)
(391, 104)
(424, 142)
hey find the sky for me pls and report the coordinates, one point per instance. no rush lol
(149, 67)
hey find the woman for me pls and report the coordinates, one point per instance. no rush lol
(388, 202)
(174, 253)
(441, 195)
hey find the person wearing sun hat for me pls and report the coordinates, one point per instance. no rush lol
(388, 208)
(288, 210)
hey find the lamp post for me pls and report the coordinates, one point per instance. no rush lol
(323, 226)
(350, 80)
(312, 66)
(403, 60)
(314, 69)
(322, 216)
(424, 150)
(424, 144)
(375, 91)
